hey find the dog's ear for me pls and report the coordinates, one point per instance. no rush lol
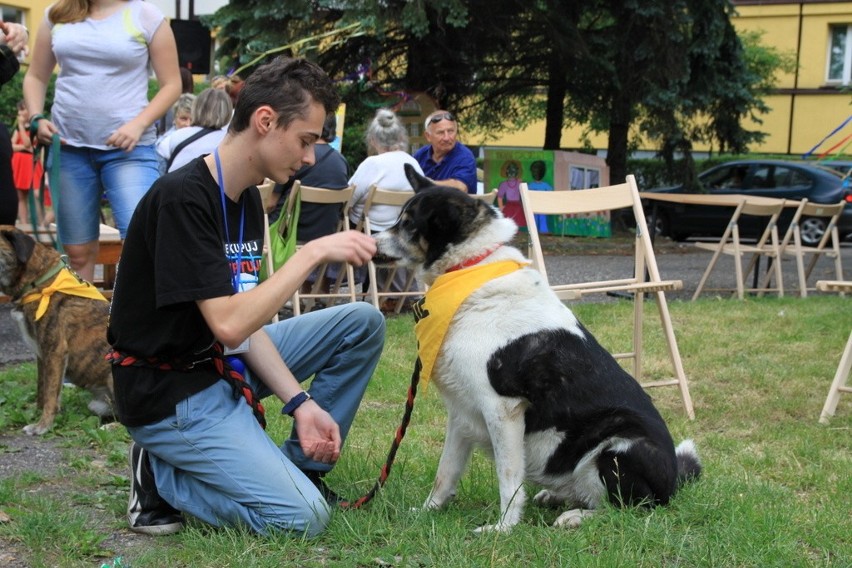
(416, 180)
(22, 244)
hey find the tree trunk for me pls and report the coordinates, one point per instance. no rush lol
(555, 117)
(619, 128)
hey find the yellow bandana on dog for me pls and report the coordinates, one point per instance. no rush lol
(436, 309)
(67, 283)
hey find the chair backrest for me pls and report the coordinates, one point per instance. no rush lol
(606, 198)
(762, 208)
(267, 196)
(809, 209)
(310, 194)
(382, 196)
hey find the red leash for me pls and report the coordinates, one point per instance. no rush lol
(397, 441)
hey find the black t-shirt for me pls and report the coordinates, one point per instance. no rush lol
(176, 253)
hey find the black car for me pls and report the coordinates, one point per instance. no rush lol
(765, 178)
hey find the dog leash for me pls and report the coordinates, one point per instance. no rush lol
(53, 152)
(397, 442)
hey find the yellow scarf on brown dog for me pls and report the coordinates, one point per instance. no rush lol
(436, 309)
(66, 282)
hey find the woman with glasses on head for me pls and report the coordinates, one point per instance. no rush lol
(445, 160)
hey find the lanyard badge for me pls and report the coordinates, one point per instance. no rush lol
(236, 272)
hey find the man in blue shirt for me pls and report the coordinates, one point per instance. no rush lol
(445, 160)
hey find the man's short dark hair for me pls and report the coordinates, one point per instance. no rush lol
(287, 85)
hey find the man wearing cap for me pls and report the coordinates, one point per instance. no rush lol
(444, 159)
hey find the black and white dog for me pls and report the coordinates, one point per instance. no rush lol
(519, 374)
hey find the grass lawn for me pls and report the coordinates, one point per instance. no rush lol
(775, 491)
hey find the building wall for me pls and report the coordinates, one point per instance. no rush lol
(807, 107)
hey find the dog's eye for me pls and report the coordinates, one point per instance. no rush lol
(406, 224)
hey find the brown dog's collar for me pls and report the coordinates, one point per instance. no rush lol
(26, 288)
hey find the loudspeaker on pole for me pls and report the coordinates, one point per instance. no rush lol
(193, 45)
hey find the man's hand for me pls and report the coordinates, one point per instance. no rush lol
(15, 36)
(350, 246)
(319, 434)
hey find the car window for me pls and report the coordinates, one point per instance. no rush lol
(797, 179)
(763, 178)
(725, 178)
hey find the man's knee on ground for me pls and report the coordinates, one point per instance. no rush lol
(309, 520)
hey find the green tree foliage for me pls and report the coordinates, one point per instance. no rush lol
(671, 71)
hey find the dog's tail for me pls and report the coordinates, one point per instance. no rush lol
(688, 463)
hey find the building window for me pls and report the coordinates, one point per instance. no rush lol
(584, 178)
(840, 55)
(9, 14)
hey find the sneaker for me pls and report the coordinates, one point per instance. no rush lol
(147, 512)
(316, 477)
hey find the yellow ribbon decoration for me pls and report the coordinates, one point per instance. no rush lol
(436, 309)
(65, 282)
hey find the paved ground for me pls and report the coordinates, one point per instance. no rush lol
(676, 260)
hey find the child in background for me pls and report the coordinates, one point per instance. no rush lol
(26, 172)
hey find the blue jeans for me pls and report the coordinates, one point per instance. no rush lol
(214, 461)
(87, 175)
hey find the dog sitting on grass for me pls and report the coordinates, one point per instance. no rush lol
(519, 374)
(62, 318)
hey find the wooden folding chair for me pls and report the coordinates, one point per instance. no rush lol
(379, 290)
(266, 195)
(829, 244)
(841, 377)
(730, 244)
(625, 195)
(343, 287)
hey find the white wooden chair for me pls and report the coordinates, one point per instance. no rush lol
(625, 195)
(379, 290)
(343, 288)
(841, 377)
(266, 196)
(731, 244)
(829, 244)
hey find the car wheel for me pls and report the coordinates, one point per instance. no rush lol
(812, 229)
(663, 227)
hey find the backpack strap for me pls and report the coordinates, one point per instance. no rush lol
(200, 134)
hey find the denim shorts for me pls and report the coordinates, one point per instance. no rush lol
(87, 175)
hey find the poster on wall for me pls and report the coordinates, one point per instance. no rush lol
(506, 169)
(547, 170)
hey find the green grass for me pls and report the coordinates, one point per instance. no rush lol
(775, 491)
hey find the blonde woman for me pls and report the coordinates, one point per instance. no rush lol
(101, 110)
(387, 142)
(210, 114)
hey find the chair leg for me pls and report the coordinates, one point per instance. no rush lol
(674, 354)
(707, 272)
(838, 385)
(638, 314)
(738, 266)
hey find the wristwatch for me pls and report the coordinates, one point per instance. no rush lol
(295, 403)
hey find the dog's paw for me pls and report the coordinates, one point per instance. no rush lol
(546, 498)
(498, 528)
(35, 429)
(572, 519)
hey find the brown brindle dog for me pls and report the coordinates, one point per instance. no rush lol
(69, 337)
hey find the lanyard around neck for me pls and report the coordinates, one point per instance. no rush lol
(235, 273)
